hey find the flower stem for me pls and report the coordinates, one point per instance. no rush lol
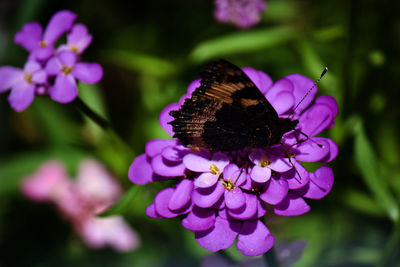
(116, 138)
(271, 259)
(103, 123)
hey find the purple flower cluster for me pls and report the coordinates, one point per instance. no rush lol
(223, 196)
(242, 13)
(50, 70)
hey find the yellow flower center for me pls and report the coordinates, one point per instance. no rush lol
(43, 44)
(66, 70)
(264, 162)
(214, 169)
(28, 77)
(229, 185)
(74, 49)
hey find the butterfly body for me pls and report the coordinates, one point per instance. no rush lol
(228, 112)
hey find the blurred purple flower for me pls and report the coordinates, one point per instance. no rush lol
(77, 40)
(224, 195)
(23, 83)
(40, 44)
(45, 61)
(242, 13)
(66, 69)
(81, 199)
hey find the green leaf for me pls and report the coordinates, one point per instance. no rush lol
(315, 65)
(123, 203)
(369, 167)
(138, 62)
(363, 203)
(241, 42)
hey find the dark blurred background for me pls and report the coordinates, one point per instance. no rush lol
(150, 52)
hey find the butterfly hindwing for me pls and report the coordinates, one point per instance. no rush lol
(227, 112)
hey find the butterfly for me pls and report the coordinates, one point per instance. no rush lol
(228, 113)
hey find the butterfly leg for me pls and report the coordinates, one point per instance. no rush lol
(290, 155)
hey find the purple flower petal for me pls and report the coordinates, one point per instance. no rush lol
(301, 86)
(31, 66)
(259, 78)
(275, 191)
(190, 89)
(151, 212)
(21, 95)
(221, 236)
(333, 149)
(174, 153)
(88, 72)
(64, 89)
(312, 150)
(9, 76)
(206, 197)
(329, 101)
(29, 36)
(155, 146)
(221, 160)
(206, 180)
(321, 182)
(280, 164)
(233, 173)
(292, 177)
(53, 66)
(161, 202)
(260, 175)
(140, 171)
(59, 23)
(164, 118)
(39, 77)
(234, 199)
(292, 205)
(67, 58)
(181, 197)
(316, 119)
(283, 85)
(247, 211)
(199, 219)
(197, 162)
(79, 38)
(42, 53)
(283, 102)
(254, 238)
(243, 14)
(167, 168)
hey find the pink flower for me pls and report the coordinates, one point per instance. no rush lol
(80, 200)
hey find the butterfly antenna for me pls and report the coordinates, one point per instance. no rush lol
(309, 90)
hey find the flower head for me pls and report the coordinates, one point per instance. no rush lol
(222, 196)
(242, 13)
(77, 40)
(67, 70)
(45, 61)
(80, 200)
(40, 44)
(23, 83)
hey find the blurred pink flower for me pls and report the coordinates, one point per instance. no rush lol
(47, 184)
(80, 200)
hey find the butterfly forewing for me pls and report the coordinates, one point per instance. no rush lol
(227, 112)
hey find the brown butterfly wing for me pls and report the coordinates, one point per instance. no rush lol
(227, 112)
